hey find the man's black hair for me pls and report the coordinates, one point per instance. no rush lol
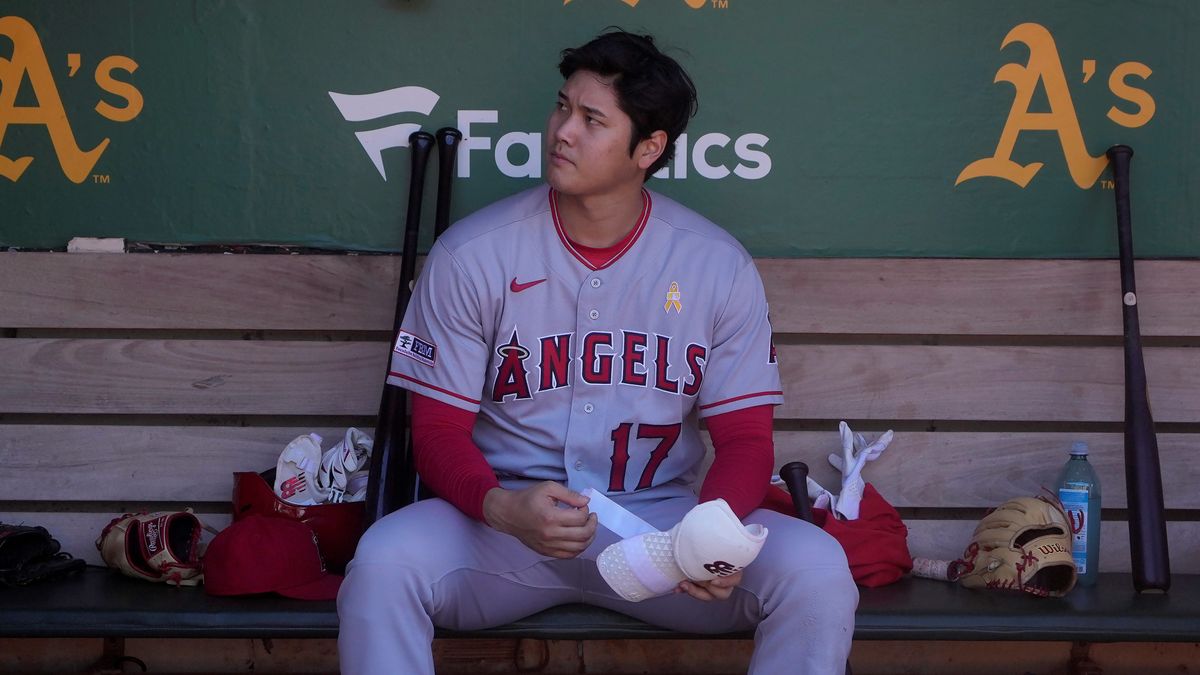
(651, 87)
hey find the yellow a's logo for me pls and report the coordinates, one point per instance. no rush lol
(1045, 67)
(694, 4)
(29, 59)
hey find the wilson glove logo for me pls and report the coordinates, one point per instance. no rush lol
(370, 107)
(1045, 67)
(29, 61)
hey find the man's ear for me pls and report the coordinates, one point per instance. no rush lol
(649, 149)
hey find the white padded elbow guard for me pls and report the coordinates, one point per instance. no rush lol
(709, 542)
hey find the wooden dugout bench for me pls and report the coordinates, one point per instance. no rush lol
(142, 381)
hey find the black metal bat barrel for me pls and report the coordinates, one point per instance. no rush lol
(389, 486)
(1143, 476)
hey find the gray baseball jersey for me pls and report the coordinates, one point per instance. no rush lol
(593, 376)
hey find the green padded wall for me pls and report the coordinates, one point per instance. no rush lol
(826, 128)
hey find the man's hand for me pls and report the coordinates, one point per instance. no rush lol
(537, 518)
(717, 589)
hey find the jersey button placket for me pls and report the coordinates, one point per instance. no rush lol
(586, 426)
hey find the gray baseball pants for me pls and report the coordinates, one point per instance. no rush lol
(429, 565)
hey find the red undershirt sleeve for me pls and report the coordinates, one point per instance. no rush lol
(743, 459)
(446, 458)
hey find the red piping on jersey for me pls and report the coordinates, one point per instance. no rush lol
(570, 245)
(426, 384)
(738, 398)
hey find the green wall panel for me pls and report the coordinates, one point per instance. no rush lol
(856, 118)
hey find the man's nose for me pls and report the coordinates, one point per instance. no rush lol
(567, 129)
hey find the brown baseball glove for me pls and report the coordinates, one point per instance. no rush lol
(1023, 545)
(162, 546)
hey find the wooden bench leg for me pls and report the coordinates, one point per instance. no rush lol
(112, 656)
(1081, 660)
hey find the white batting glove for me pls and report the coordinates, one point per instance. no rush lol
(821, 498)
(345, 468)
(856, 452)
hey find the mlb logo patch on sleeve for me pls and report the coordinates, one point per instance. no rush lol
(415, 348)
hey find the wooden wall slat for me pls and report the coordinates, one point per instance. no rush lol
(946, 539)
(976, 297)
(821, 381)
(932, 470)
(235, 377)
(138, 463)
(851, 296)
(981, 470)
(198, 291)
(941, 539)
(77, 532)
(1078, 384)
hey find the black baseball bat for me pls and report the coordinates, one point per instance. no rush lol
(795, 475)
(447, 146)
(391, 452)
(1143, 476)
(448, 139)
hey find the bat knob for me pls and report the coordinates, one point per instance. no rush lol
(795, 476)
(448, 138)
(421, 138)
(1119, 150)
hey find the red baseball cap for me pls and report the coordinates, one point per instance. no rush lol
(261, 554)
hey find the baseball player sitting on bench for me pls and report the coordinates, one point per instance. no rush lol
(569, 337)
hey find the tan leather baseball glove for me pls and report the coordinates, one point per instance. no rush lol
(1023, 545)
(162, 547)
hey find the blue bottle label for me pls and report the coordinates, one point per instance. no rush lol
(1075, 503)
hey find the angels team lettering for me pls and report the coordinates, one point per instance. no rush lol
(630, 357)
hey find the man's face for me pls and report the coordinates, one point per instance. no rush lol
(587, 140)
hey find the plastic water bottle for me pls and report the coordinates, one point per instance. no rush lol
(1079, 492)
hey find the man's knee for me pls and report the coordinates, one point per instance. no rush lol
(407, 536)
(804, 564)
(797, 544)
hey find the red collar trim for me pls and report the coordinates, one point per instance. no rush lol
(622, 247)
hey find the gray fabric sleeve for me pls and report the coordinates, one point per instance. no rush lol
(440, 351)
(741, 370)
